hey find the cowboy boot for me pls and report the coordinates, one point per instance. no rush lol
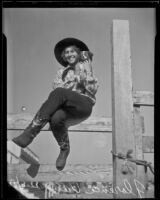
(31, 131)
(63, 142)
(64, 152)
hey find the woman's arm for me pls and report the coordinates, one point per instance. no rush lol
(67, 81)
(58, 82)
(87, 77)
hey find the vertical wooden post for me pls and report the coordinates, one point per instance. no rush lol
(141, 175)
(122, 110)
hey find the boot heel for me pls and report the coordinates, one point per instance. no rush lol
(61, 160)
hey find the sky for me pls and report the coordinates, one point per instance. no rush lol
(31, 66)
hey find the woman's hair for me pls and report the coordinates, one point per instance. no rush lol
(74, 47)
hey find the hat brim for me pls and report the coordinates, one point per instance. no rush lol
(61, 45)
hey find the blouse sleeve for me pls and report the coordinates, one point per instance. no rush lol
(58, 82)
(91, 82)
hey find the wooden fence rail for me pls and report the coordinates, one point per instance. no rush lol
(104, 124)
(18, 122)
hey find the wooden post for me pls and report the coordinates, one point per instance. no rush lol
(122, 110)
(141, 175)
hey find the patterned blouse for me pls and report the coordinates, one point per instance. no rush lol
(80, 79)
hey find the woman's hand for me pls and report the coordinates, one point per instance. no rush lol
(86, 63)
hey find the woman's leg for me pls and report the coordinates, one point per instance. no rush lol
(59, 124)
(73, 103)
(76, 105)
(60, 131)
(40, 119)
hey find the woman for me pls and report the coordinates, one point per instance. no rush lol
(71, 100)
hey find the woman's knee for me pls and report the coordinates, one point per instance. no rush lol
(57, 93)
(58, 119)
(85, 110)
(58, 90)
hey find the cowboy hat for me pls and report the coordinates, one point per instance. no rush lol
(61, 45)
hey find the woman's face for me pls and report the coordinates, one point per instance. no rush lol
(71, 55)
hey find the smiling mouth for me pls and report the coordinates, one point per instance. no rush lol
(71, 58)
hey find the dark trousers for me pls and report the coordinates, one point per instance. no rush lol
(64, 108)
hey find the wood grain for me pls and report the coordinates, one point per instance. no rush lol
(21, 120)
(122, 105)
(71, 173)
(143, 98)
(141, 175)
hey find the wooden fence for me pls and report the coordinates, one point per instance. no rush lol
(126, 127)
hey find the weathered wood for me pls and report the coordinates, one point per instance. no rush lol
(56, 190)
(102, 124)
(141, 175)
(148, 144)
(143, 98)
(15, 154)
(22, 120)
(71, 173)
(122, 105)
(29, 156)
(142, 124)
(24, 153)
(67, 190)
